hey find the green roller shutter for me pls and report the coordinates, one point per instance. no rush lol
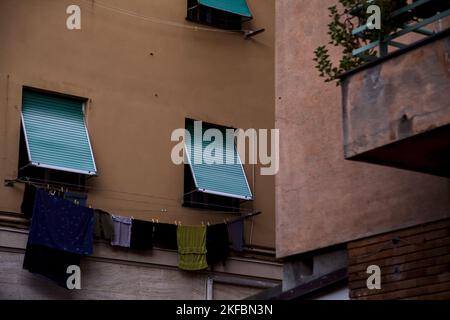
(226, 179)
(238, 7)
(56, 133)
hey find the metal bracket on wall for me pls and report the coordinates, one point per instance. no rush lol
(9, 183)
(248, 34)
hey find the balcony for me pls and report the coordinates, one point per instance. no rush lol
(396, 108)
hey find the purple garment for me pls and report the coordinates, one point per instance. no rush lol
(236, 234)
(122, 231)
(61, 224)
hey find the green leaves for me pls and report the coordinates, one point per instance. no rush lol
(345, 17)
(340, 32)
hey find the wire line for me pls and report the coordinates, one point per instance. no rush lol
(158, 20)
(43, 182)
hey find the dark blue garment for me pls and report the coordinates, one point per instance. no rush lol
(236, 234)
(60, 224)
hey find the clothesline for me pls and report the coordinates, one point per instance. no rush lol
(179, 223)
(56, 185)
(48, 187)
(158, 20)
(61, 232)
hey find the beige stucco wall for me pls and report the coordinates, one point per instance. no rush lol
(142, 79)
(322, 199)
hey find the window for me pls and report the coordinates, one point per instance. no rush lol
(219, 186)
(54, 142)
(223, 14)
(195, 199)
(39, 174)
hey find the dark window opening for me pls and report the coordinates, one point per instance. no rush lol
(196, 199)
(213, 17)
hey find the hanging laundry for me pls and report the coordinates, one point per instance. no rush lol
(79, 198)
(165, 236)
(103, 225)
(60, 224)
(50, 263)
(29, 197)
(191, 247)
(217, 244)
(236, 234)
(122, 231)
(141, 235)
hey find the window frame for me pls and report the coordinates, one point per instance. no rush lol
(207, 198)
(83, 101)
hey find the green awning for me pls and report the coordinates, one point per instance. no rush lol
(56, 134)
(238, 7)
(225, 179)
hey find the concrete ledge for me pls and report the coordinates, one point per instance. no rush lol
(14, 240)
(397, 112)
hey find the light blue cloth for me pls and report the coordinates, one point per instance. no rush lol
(122, 231)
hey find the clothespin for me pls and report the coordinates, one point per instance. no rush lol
(157, 220)
(207, 223)
(90, 207)
(153, 220)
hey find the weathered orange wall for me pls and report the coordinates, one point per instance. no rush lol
(322, 199)
(136, 99)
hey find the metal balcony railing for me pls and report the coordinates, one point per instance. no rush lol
(419, 13)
